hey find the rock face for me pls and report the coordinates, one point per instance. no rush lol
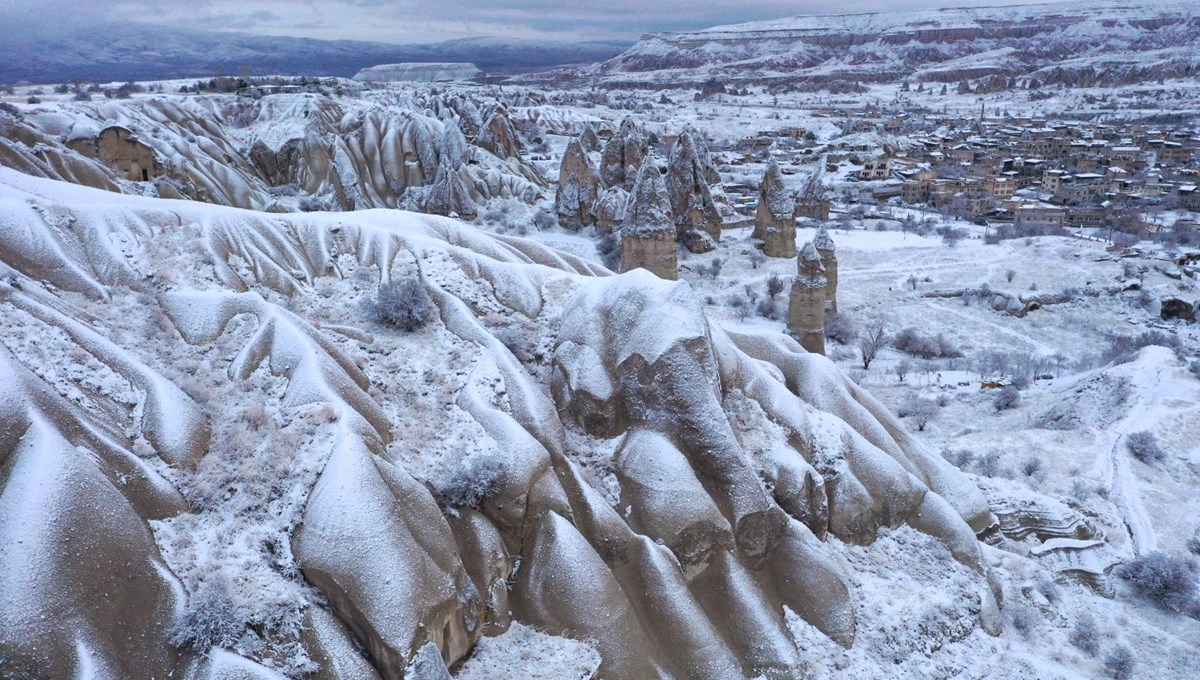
(775, 220)
(448, 195)
(419, 73)
(404, 475)
(647, 235)
(828, 252)
(916, 45)
(688, 179)
(578, 188)
(610, 209)
(806, 305)
(347, 154)
(623, 155)
(499, 136)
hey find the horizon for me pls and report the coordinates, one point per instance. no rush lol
(402, 22)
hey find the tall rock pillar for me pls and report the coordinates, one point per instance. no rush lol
(775, 220)
(828, 253)
(806, 305)
(647, 234)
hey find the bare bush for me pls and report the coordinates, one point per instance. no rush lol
(871, 341)
(921, 411)
(911, 342)
(469, 481)
(774, 286)
(404, 304)
(609, 251)
(1119, 663)
(1007, 397)
(1144, 446)
(840, 328)
(1085, 636)
(1166, 580)
(211, 619)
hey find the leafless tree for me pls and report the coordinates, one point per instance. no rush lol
(871, 341)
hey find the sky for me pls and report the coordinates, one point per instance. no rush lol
(420, 21)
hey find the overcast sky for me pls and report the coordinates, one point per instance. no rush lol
(434, 20)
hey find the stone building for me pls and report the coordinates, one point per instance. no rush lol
(119, 149)
(647, 235)
(828, 253)
(806, 304)
(775, 220)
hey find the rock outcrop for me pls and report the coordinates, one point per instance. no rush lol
(664, 484)
(828, 252)
(610, 209)
(806, 304)
(775, 220)
(623, 155)
(578, 188)
(647, 235)
(688, 179)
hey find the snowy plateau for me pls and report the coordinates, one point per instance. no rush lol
(841, 348)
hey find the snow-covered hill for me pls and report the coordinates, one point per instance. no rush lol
(1123, 41)
(134, 51)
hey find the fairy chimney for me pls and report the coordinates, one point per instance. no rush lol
(448, 195)
(610, 209)
(692, 206)
(623, 156)
(499, 136)
(775, 221)
(806, 306)
(828, 253)
(647, 235)
(578, 186)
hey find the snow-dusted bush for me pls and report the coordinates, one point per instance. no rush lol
(1194, 368)
(403, 304)
(988, 464)
(912, 342)
(1167, 580)
(545, 220)
(1031, 467)
(608, 248)
(769, 310)
(1023, 618)
(921, 411)
(311, 204)
(1144, 446)
(775, 287)
(1123, 348)
(840, 328)
(1006, 397)
(1085, 636)
(285, 190)
(211, 619)
(1119, 663)
(469, 480)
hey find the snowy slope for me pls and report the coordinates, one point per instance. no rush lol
(941, 45)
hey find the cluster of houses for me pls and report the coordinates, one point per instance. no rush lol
(1035, 173)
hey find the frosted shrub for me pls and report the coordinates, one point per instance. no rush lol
(775, 286)
(1119, 663)
(1167, 580)
(1085, 636)
(285, 190)
(469, 481)
(545, 220)
(921, 411)
(1007, 397)
(211, 619)
(403, 304)
(1144, 447)
(311, 204)
(608, 249)
(911, 342)
(1023, 617)
(840, 328)
(1124, 348)
(1031, 467)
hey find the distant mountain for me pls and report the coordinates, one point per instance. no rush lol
(1078, 42)
(130, 51)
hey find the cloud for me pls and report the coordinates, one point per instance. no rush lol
(430, 21)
